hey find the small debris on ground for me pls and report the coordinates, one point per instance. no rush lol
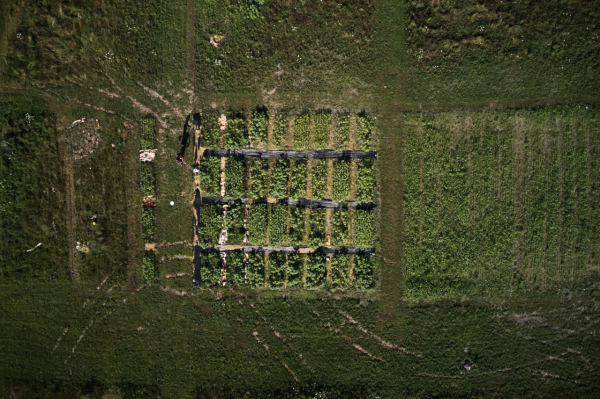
(215, 40)
(149, 201)
(222, 121)
(39, 245)
(467, 365)
(147, 155)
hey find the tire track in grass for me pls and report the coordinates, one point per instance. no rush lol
(378, 339)
(338, 332)
(281, 338)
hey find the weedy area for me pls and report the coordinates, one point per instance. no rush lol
(486, 273)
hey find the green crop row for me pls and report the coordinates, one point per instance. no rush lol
(235, 134)
(341, 138)
(364, 229)
(365, 180)
(148, 186)
(257, 224)
(148, 133)
(340, 223)
(259, 124)
(318, 186)
(278, 225)
(301, 132)
(149, 270)
(148, 182)
(316, 234)
(282, 267)
(322, 126)
(258, 177)
(279, 178)
(299, 178)
(210, 222)
(210, 176)
(364, 129)
(210, 135)
(238, 135)
(235, 177)
(281, 127)
(341, 180)
(275, 219)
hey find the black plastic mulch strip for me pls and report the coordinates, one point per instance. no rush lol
(300, 203)
(268, 154)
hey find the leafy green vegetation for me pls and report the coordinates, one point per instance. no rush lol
(236, 135)
(210, 176)
(259, 123)
(31, 195)
(322, 123)
(301, 132)
(513, 190)
(235, 177)
(486, 222)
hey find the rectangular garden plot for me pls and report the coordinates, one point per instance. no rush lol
(285, 200)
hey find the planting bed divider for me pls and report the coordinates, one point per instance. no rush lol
(300, 203)
(269, 154)
(257, 249)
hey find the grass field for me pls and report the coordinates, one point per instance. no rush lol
(486, 125)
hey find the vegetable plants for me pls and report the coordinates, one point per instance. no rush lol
(364, 271)
(296, 236)
(301, 132)
(210, 136)
(257, 225)
(364, 129)
(277, 265)
(259, 124)
(148, 133)
(281, 126)
(319, 179)
(340, 219)
(342, 132)
(341, 180)
(258, 177)
(363, 229)
(316, 236)
(235, 177)
(210, 271)
(365, 182)
(279, 178)
(322, 125)
(277, 225)
(299, 178)
(210, 222)
(236, 135)
(256, 270)
(295, 270)
(315, 272)
(210, 176)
